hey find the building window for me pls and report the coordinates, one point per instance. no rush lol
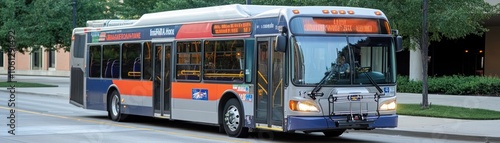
(188, 60)
(131, 60)
(52, 59)
(224, 60)
(1, 58)
(36, 59)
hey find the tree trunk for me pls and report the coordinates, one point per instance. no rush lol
(425, 52)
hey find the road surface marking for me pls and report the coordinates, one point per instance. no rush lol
(125, 126)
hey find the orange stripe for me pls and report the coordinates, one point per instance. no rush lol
(184, 90)
(134, 87)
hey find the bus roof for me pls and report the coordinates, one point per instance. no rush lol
(214, 13)
(220, 13)
(235, 11)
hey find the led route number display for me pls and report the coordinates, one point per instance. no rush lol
(232, 28)
(339, 25)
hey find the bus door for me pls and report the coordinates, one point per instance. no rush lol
(161, 79)
(270, 74)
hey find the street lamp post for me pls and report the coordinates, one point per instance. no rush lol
(249, 2)
(74, 13)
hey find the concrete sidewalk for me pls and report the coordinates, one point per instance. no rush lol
(477, 130)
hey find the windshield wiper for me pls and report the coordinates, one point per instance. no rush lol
(374, 83)
(315, 91)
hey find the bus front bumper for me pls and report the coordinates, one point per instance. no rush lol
(319, 123)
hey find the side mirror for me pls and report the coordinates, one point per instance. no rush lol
(280, 43)
(399, 44)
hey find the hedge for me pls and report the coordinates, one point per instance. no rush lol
(454, 85)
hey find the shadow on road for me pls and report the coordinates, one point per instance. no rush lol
(262, 135)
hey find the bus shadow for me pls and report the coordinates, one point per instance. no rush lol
(262, 135)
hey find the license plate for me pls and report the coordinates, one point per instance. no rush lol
(355, 98)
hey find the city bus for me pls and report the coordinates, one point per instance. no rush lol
(243, 68)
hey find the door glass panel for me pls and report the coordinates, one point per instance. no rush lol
(262, 81)
(166, 81)
(278, 74)
(157, 76)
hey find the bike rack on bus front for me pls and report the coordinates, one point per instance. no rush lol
(354, 119)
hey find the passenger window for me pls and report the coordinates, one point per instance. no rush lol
(131, 61)
(146, 61)
(224, 60)
(111, 61)
(95, 61)
(188, 60)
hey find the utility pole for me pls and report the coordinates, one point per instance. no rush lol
(74, 13)
(425, 53)
(249, 2)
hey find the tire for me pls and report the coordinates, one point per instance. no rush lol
(233, 119)
(114, 110)
(334, 133)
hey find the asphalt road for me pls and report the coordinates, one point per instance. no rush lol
(51, 119)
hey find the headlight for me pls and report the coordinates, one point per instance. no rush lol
(307, 106)
(388, 106)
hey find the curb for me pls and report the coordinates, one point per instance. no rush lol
(32, 93)
(441, 136)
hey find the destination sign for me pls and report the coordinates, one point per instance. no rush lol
(232, 28)
(336, 25)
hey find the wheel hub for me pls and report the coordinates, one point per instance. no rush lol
(232, 118)
(115, 105)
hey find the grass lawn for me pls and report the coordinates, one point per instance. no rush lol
(448, 112)
(25, 84)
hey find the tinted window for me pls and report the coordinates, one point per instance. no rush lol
(224, 60)
(188, 60)
(131, 60)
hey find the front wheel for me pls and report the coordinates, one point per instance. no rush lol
(334, 133)
(233, 119)
(114, 110)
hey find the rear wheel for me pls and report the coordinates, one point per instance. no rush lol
(233, 119)
(334, 133)
(114, 110)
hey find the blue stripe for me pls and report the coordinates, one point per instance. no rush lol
(96, 90)
(138, 110)
(302, 123)
(133, 34)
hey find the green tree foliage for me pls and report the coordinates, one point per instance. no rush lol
(47, 23)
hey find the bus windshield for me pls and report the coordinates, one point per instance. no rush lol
(353, 60)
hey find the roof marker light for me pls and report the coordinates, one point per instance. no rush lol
(335, 12)
(295, 11)
(378, 13)
(342, 11)
(325, 12)
(350, 12)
